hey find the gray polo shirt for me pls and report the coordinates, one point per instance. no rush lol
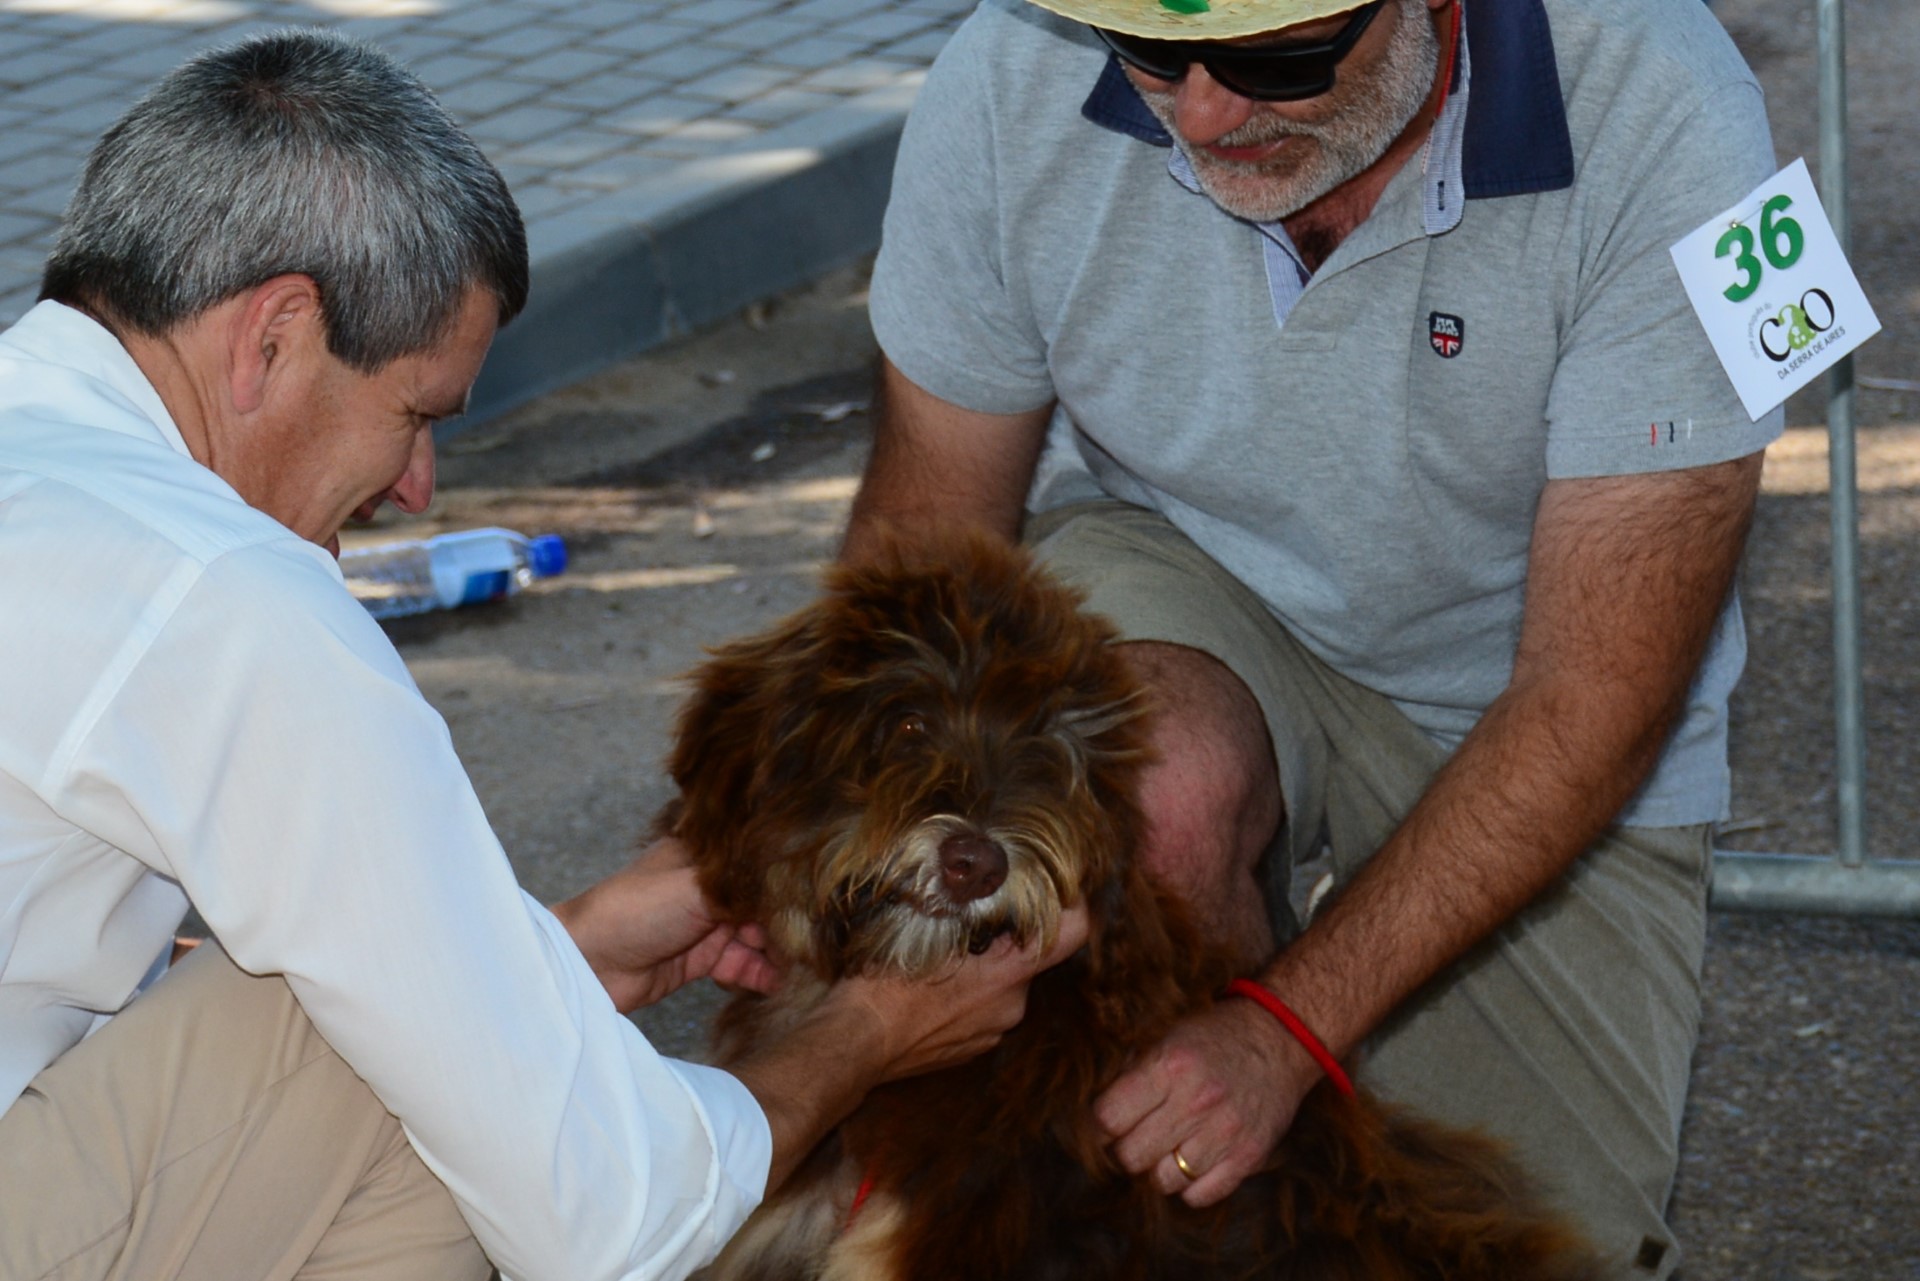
(1369, 457)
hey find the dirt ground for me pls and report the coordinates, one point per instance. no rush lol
(700, 487)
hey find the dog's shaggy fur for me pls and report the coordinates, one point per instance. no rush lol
(830, 769)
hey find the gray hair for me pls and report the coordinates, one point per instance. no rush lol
(296, 151)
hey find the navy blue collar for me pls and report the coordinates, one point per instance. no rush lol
(1516, 137)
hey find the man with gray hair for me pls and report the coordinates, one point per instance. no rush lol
(281, 268)
(1335, 350)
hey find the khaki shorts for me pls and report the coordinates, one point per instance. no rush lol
(1570, 1032)
(209, 1133)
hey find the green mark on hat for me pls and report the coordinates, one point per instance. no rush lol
(1185, 6)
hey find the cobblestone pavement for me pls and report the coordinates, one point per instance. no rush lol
(593, 109)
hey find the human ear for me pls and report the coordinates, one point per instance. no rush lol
(276, 321)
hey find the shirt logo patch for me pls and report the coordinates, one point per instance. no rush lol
(1447, 333)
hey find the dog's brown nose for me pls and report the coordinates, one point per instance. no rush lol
(971, 867)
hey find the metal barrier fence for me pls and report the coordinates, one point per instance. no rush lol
(1848, 883)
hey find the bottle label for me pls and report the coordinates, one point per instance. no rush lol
(491, 585)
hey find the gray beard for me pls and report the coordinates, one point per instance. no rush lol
(1359, 121)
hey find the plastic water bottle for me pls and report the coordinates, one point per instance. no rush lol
(449, 570)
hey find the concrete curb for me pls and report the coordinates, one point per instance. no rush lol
(631, 270)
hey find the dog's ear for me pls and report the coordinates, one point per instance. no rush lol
(725, 735)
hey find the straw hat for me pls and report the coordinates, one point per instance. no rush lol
(1196, 19)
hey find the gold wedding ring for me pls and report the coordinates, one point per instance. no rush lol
(1191, 1173)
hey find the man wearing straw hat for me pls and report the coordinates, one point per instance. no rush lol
(1336, 352)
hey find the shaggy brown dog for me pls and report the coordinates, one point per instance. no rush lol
(942, 750)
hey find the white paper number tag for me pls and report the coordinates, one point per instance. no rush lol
(1777, 298)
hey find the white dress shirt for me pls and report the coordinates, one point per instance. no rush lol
(196, 711)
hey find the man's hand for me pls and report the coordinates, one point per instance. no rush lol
(1220, 1090)
(869, 1031)
(963, 1013)
(647, 930)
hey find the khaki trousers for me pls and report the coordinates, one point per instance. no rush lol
(1570, 1032)
(208, 1132)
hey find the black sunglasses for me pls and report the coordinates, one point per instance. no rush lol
(1274, 73)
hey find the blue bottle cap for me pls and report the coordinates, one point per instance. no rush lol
(546, 555)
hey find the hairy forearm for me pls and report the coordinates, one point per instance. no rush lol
(812, 1079)
(1631, 576)
(937, 467)
(1503, 821)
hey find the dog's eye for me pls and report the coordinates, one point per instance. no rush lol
(899, 733)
